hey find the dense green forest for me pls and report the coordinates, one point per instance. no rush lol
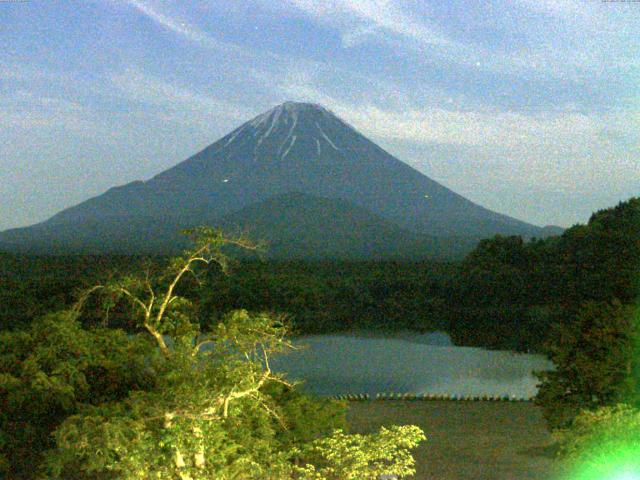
(505, 294)
(171, 398)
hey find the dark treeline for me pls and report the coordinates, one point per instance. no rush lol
(318, 296)
(323, 297)
(31, 286)
(530, 286)
(505, 294)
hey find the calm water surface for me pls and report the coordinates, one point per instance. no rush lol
(424, 364)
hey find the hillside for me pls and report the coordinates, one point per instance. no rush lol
(297, 225)
(294, 225)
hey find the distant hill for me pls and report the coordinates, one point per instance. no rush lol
(246, 176)
(297, 225)
(117, 234)
(551, 231)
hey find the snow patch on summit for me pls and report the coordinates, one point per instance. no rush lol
(233, 137)
(293, 140)
(275, 115)
(294, 117)
(286, 117)
(326, 138)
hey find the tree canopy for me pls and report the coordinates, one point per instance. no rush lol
(175, 397)
(596, 362)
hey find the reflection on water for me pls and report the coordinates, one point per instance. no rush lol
(342, 364)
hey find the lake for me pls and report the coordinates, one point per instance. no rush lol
(407, 363)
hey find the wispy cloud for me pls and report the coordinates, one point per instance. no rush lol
(553, 147)
(474, 124)
(181, 26)
(176, 26)
(384, 15)
(177, 102)
(25, 110)
(531, 140)
(387, 21)
(555, 53)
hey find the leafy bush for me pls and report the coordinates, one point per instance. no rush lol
(596, 362)
(604, 443)
(362, 457)
(50, 371)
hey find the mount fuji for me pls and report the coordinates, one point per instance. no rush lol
(296, 175)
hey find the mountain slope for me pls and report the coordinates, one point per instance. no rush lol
(295, 147)
(294, 225)
(297, 225)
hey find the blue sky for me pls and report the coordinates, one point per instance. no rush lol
(528, 107)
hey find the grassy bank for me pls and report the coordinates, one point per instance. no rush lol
(468, 440)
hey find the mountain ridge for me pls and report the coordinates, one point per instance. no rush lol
(321, 229)
(294, 147)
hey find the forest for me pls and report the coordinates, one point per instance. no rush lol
(503, 295)
(92, 395)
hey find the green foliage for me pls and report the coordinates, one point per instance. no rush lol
(506, 294)
(596, 362)
(603, 443)
(322, 297)
(603, 258)
(51, 370)
(362, 457)
(173, 400)
(599, 432)
(306, 418)
(152, 436)
(33, 286)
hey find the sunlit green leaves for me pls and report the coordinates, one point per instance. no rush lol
(603, 444)
(52, 370)
(362, 457)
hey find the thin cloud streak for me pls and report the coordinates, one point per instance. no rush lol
(360, 22)
(564, 151)
(372, 21)
(182, 28)
(388, 16)
(370, 16)
(482, 126)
